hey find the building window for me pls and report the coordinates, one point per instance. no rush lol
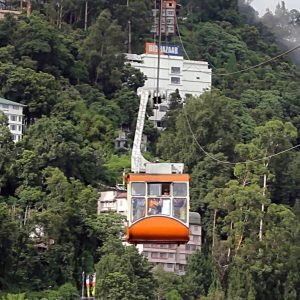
(193, 247)
(159, 124)
(170, 29)
(170, 12)
(13, 118)
(170, 20)
(19, 128)
(181, 267)
(5, 106)
(163, 255)
(196, 238)
(171, 255)
(196, 228)
(145, 253)
(169, 266)
(175, 70)
(12, 127)
(15, 107)
(175, 80)
(20, 119)
(163, 108)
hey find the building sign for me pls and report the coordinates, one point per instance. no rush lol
(165, 49)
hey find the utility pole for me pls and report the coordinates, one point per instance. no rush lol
(28, 8)
(262, 209)
(129, 31)
(158, 47)
(85, 15)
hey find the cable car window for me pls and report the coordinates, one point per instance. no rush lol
(166, 189)
(154, 189)
(179, 190)
(138, 189)
(180, 209)
(154, 206)
(138, 208)
(166, 206)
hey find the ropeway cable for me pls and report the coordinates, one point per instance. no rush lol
(240, 71)
(227, 74)
(228, 162)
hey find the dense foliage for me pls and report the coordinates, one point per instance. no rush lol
(78, 93)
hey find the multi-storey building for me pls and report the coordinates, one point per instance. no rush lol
(14, 113)
(171, 258)
(176, 74)
(189, 77)
(115, 200)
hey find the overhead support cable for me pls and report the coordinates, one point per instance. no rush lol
(240, 71)
(229, 162)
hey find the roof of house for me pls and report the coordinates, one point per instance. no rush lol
(5, 101)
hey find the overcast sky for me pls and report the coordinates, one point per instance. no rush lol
(262, 5)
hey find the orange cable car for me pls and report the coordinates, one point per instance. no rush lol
(158, 196)
(159, 208)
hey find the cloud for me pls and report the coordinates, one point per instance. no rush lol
(285, 23)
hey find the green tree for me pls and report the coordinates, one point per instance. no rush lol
(37, 90)
(212, 122)
(101, 51)
(127, 271)
(7, 154)
(168, 284)
(63, 146)
(200, 277)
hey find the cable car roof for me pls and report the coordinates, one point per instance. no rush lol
(157, 177)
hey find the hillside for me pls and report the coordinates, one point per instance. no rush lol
(239, 142)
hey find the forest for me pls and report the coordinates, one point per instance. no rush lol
(65, 62)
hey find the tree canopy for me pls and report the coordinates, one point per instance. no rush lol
(239, 142)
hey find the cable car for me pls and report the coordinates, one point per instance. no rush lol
(158, 196)
(159, 208)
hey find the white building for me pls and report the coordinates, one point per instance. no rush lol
(4, 12)
(14, 113)
(189, 77)
(115, 201)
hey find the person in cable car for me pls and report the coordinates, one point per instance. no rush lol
(179, 205)
(154, 205)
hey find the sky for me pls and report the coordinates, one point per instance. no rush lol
(262, 5)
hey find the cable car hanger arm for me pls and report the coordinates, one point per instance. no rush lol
(138, 163)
